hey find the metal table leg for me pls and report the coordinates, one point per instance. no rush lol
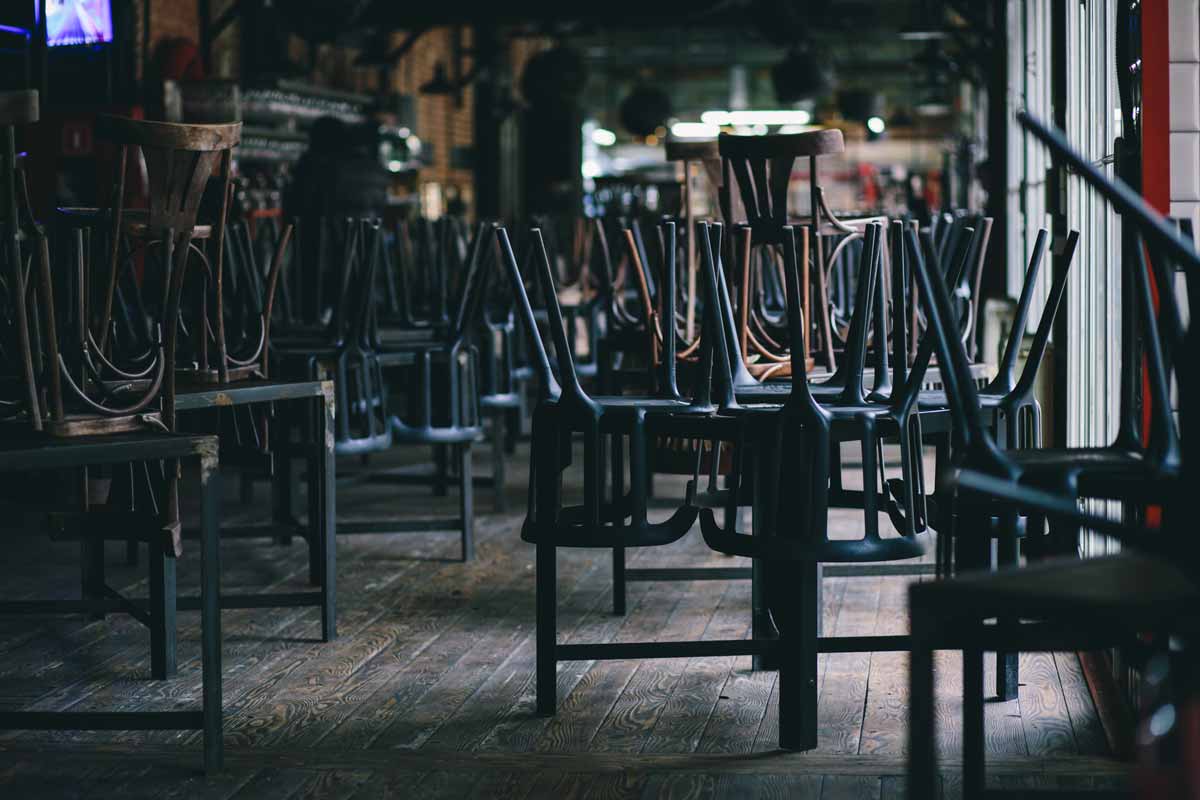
(210, 611)
(322, 515)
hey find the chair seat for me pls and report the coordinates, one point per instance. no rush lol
(938, 399)
(647, 403)
(400, 337)
(1149, 592)
(1109, 472)
(856, 222)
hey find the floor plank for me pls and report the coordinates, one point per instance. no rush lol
(429, 690)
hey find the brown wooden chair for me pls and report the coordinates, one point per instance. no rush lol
(761, 169)
(121, 371)
(179, 161)
(691, 153)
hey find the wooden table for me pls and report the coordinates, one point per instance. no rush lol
(316, 399)
(42, 453)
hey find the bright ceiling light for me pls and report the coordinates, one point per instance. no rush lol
(604, 137)
(932, 109)
(778, 117)
(694, 130)
(876, 125)
(590, 169)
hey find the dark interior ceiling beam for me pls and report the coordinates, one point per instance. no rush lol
(852, 16)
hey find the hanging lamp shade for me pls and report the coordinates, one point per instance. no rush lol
(645, 110)
(557, 75)
(802, 76)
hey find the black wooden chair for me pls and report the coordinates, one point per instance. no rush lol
(1100, 602)
(439, 376)
(564, 409)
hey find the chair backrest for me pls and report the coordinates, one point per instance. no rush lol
(740, 375)
(1005, 378)
(978, 448)
(806, 426)
(901, 276)
(722, 335)
(762, 169)
(854, 360)
(1041, 338)
(179, 161)
(904, 395)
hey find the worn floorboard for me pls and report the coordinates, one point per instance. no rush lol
(429, 691)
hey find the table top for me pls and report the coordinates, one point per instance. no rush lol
(192, 398)
(39, 451)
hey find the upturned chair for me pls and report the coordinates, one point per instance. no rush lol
(48, 440)
(781, 457)
(1099, 602)
(179, 160)
(761, 168)
(333, 339)
(114, 372)
(564, 408)
(705, 154)
(439, 376)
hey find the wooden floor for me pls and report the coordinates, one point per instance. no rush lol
(428, 691)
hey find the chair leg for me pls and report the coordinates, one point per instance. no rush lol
(246, 489)
(798, 657)
(922, 763)
(441, 470)
(466, 500)
(973, 745)
(1007, 664)
(281, 488)
(162, 614)
(499, 499)
(210, 614)
(547, 622)
(870, 476)
(761, 625)
(617, 468)
(512, 429)
(322, 516)
(618, 580)
(92, 571)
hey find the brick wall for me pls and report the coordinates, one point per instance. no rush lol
(443, 122)
(169, 19)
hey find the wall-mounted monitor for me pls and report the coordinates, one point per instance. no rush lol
(76, 22)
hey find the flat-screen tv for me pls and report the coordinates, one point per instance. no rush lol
(75, 22)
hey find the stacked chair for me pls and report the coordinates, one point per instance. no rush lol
(92, 397)
(1064, 603)
(765, 428)
(381, 327)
